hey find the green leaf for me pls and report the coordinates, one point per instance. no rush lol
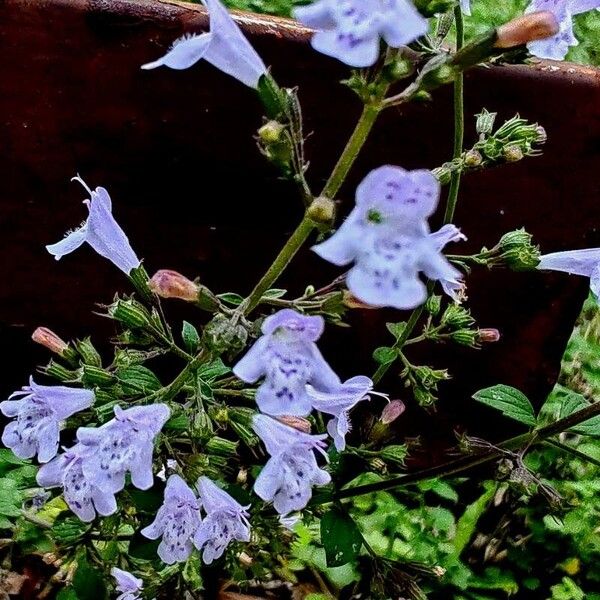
(275, 293)
(340, 537)
(88, 582)
(384, 355)
(191, 337)
(68, 530)
(509, 401)
(231, 298)
(67, 594)
(137, 378)
(10, 498)
(213, 370)
(573, 403)
(396, 329)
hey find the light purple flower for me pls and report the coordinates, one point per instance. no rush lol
(82, 497)
(100, 231)
(350, 30)
(226, 520)
(288, 477)
(39, 411)
(466, 6)
(124, 444)
(454, 286)
(557, 46)
(388, 239)
(575, 262)
(127, 584)
(224, 46)
(338, 403)
(287, 357)
(176, 521)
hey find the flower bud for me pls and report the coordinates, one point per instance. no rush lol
(443, 174)
(221, 447)
(433, 304)
(322, 211)
(542, 136)
(96, 376)
(171, 284)
(242, 476)
(270, 132)
(527, 28)
(518, 252)
(485, 122)
(296, 422)
(245, 559)
(61, 373)
(392, 411)
(465, 337)
(488, 336)
(352, 302)
(47, 338)
(473, 159)
(399, 68)
(457, 317)
(512, 153)
(89, 354)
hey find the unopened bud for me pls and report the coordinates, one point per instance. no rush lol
(518, 251)
(242, 476)
(47, 338)
(89, 354)
(270, 132)
(296, 422)
(421, 96)
(433, 304)
(527, 28)
(512, 153)
(398, 69)
(465, 337)
(171, 284)
(488, 335)
(457, 317)
(443, 174)
(322, 210)
(392, 411)
(221, 446)
(130, 313)
(473, 159)
(542, 136)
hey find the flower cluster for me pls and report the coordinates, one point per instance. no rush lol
(179, 524)
(387, 238)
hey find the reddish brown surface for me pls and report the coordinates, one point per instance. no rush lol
(175, 150)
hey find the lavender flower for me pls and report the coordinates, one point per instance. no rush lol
(225, 520)
(129, 586)
(224, 46)
(338, 403)
(454, 286)
(466, 6)
(100, 231)
(124, 444)
(557, 46)
(288, 358)
(288, 477)
(176, 521)
(350, 30)
(39, 411)
(82, 497)
(575, 262)
(388, 239)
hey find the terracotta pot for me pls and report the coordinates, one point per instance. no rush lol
(175, 150)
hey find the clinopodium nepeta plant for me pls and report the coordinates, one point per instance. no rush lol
(246, 440)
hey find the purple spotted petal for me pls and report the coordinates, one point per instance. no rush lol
(225, 47)
(127, 584)
(581, 6)
(101, 232)
(214, 499)
(288, 358)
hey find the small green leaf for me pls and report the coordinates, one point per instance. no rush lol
(573, 403)
(231, 298)
(385, 355)
(396, 329)
(275, 293)
(10, 498)
(137, 378)
(211, 371)
(340, 537)
(509, 401)
(191, 337)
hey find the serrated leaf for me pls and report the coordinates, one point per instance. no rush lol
(231, 298)
(509, 401)
(340, 537)
(384, 355)
(190, 337)
(573, 403)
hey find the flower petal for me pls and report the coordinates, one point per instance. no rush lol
(69, 243)
(185, 52)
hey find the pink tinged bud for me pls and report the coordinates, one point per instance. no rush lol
(171, 284)
(47, 338)
(392, 411)
(353, 302)
(296, 422)
(528, 28)
(488, 336)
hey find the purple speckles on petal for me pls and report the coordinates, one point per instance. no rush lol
(225, 47)
(101, 232)
(288, 358)
(39, 410)
(351, 30)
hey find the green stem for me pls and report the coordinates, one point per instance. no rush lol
(355, 143)
(464, 463)
(169, 392)
(459, 121)
(573, 451)
(283, 259)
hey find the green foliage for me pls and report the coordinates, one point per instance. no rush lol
(509, 401)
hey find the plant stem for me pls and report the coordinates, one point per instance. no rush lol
(574, 452)
(283, 259)
(169, 392)
(459, 121)
(459, 465)
(355, 143)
